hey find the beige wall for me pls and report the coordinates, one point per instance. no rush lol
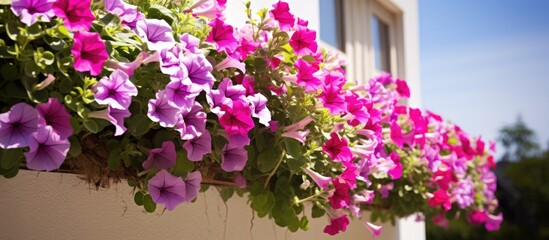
(60, 206)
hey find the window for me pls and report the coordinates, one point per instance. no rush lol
(331, 23)
(380, 45)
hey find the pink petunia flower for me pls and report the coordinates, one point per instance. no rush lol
(320, 180)
(30, 11)
(222, 35)
(303, 41)
(77, 14)
(47, 151)
(340, 197)
(493, 222)
(374, 229)
(396, 134)
(55, 115)
(89, 52)
(167, 189)
(440, 198)
(281, 13)
(17, 125)
(306, 77)
(116, 90)
(337, 224)
(402, 88)
(161, 158)
(337, 148)
(237, 120)
(114, 116)
(209, 8)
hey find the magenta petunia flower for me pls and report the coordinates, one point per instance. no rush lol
(17, 125)
(281, 13)
(47, 151)
(303, 41)
(30, 11)
(340, 197)
(338, 224)
(116, 90)
(233, 158)
(182, 94)
(440, 198)
(77, 14)
(337, 148)
(222, 35)
(126, 12)
(396, 134)
(320, 180)
(402, 88)
(192, 185)
(89, 52)
(305, 76)
(198, 147)
(237, 120)
(493, 222)
(300, 136)
(230, 62)
(261, 112)
(157, 33)
(333, 100)
(55, 115)
(161, 158)
(161, 111)
(167, 189)
(199, 70)
(114, 116)
(395, 172)
(374, 229)
(477, 217)
(192, 123)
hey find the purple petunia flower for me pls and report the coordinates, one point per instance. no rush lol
(55, 115)
(167, 189)
(116, 90)
(161, 158)
(261, 112)
(199, 70)
(89, 52)
(47, 150)
(157, 33)
(77, 14)
(126, 12)
(192, 185)
(114, 116)
(192, 122)
(222, 35)
(17, 125)
(198, 147)
(161, 111)
(233, 158)
(30, 11)
(170, 63)
(190, 43)
(182, 94)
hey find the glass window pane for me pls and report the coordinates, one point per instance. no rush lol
(331, 23)
(380, 39)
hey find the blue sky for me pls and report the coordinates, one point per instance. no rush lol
(484, 62)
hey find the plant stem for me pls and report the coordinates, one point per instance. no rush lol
(274, 169)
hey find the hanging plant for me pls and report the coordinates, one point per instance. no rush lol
(169, 97)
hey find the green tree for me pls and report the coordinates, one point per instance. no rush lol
(518, 140)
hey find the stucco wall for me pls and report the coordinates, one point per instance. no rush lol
(61, 206)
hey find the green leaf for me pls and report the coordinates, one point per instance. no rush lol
(148, 203)
(161, 12)
(10, 158)
(91, 125)
(31, 69)
(76, 147)
(161, 136)
(268, 159)
(12, 30)
(317, 211)
(12, 172)
(114, 160)
(304, 223)
(226, 193)
(263, 203)
(139, 198)
(182, 164)
(55, 43)
(293, 147)
(138, 125)
(260, 64)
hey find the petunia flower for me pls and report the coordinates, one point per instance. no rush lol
(333, 100)
(47, 151)
(306, 77)
(237, 120)
(89, 52)
(161, 111)
(126, 12)
(233, 158)
(116, 90)
(192, 185)
(441, 221)
(161, 158)
(157, 33)
(199, 70)
(192, 123)
(493, 222)
(208, 8)
(167, 189)
(17, 125)
(374, 229)
(340, 197)
(198, 147)
(44, 83)
(303, 41)
(230, 62)
(182, 94)
(320, 180)
(191, 43)
(477, 217)
(77, 14)
(55, 114)
(30, 11)
(395, 172)
(337, 224)
(300, 136)
(114, 116)
(281, 13)
(170, 63)
(222, 35)
(337, 148)
(402, 88)
(299, 125)
(260, 110)
(396, 134)
(440, 198)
